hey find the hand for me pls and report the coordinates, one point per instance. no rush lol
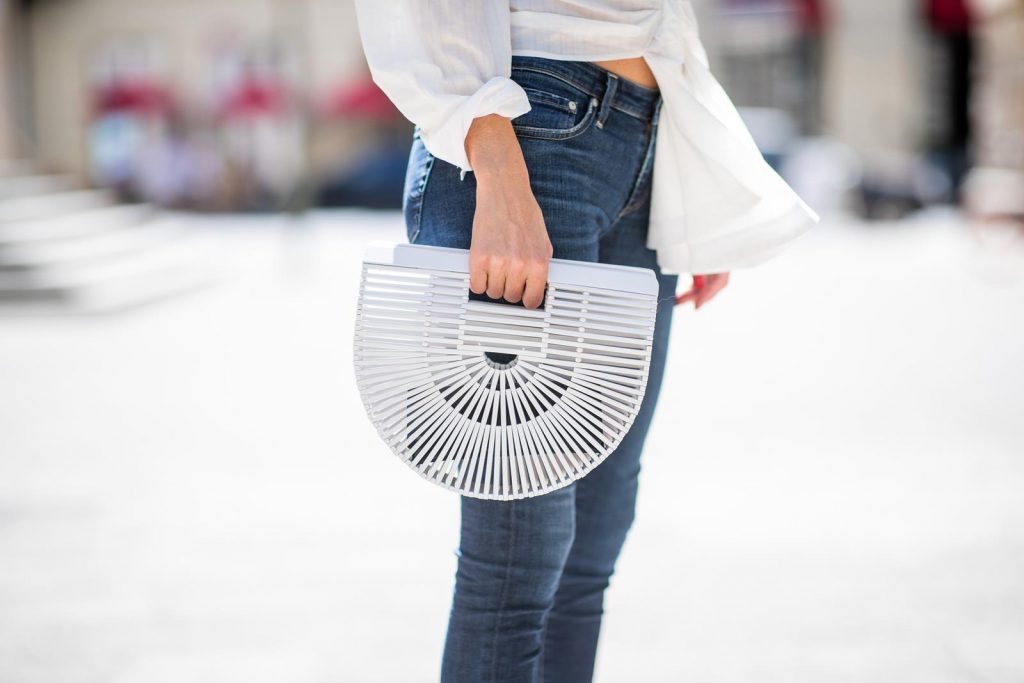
(703, 289)
(510, 249)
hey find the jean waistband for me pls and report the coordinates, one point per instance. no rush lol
(628, 97)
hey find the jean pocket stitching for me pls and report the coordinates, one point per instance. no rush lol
(551, 74)
(560, 133)
(542, 97)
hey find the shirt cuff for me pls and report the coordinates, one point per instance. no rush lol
(500, 95)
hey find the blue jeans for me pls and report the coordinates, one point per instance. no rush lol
(532, 573)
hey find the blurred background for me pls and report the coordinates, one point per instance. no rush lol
(189, 490)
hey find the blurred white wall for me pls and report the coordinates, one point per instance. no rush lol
(873, 74)
(874, 84)
(8, 144)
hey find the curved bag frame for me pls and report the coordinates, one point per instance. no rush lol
(491, 399)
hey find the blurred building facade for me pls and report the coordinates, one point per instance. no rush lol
(258, 80)
(240, 90)
(995, 187)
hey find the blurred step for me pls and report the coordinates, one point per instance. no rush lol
(73, 226)
(105, 285)
(17, 167)
(112, 296)
(82, 272)
(143, 289)
(41, 207)
(72, 250)
(114, 242)
(33, 185)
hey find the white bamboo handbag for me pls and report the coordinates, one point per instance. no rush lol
(492, 399)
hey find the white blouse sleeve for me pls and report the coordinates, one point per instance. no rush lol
(443, 63)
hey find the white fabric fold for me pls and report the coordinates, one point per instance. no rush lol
(443, 63)
(447, 140)
(716, 204)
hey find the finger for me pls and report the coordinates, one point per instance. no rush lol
(703, 296)
(496, 285)
(536, 280)
(715, 285)
(685, 297)
(496, 279)
(688, 295)
(477, 274)
(515, 282)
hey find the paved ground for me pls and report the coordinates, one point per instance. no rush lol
(833, 490)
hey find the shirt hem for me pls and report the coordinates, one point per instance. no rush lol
(576, 58)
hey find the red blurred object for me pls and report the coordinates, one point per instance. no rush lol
(811, 15)
(699, 281)
(137, 96)
(948, 16)
(362, 99)
(255, 98)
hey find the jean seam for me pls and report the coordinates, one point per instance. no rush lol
(611, 87)
(635, 199)
(421, 189)
(544, 632)
(504, 588)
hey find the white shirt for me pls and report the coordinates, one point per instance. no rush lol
(716, 205)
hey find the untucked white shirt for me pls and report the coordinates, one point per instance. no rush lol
(716, 204)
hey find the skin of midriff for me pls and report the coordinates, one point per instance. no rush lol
(633, 69)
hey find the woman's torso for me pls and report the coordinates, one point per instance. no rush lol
(599, 31)
(634, 69)
(611, 33)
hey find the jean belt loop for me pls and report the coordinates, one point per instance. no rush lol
(611, 86)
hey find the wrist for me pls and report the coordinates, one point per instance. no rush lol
(493, 149)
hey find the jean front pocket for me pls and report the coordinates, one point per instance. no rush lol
(548, 110)
(558, 111)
